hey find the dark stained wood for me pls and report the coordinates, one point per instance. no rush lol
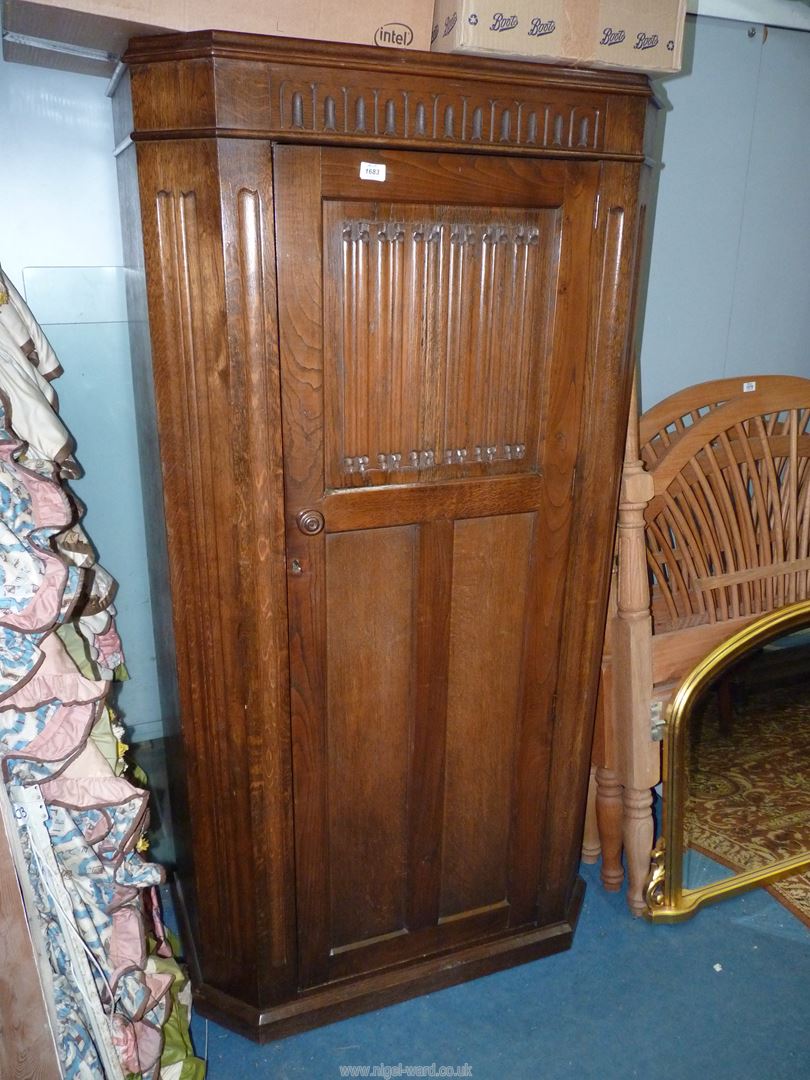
(298, 262)
(177, 807)
(520, 182)
(210, 346)
(567, 436)
(217, 83)
(398, 283)
(410, 944)
(378, 507)
(369, 707)
(487, 639)
(434, 575)
(594, 501)
(258, 544)
(390, 420)
(343, 320)
(327, 1004)
(178, 187)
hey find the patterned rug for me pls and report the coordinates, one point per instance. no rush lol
(749, 785)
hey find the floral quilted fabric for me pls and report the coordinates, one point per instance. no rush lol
(50, 706)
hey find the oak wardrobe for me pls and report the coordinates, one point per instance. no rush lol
(390, 297)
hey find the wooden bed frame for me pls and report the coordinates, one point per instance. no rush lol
(713, 532)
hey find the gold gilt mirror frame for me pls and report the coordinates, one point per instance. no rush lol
(668, 900)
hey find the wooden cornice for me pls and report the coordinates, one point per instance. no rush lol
(220, 84)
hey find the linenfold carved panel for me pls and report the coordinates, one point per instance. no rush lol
(405, 114)
(438, 337)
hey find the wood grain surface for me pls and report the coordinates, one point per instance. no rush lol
(390, 421)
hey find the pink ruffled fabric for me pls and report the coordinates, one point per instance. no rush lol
(96, 817)
(56, 679)
(109, 648)
(63, 737)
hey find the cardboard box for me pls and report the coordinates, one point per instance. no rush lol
(106, 26)
(636, 35)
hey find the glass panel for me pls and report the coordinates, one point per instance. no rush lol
(76, 294)
(748, 802)
(83, 313)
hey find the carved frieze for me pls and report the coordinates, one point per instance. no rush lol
(474, 119)
(303, 92)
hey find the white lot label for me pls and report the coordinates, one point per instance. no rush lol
(748, 387)
(370, 171)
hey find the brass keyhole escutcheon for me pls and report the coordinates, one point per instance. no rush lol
(310, 522)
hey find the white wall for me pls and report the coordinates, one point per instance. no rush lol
(57, 178)
(59, 201)
(794, 14)
(729, 287)
(770, 314)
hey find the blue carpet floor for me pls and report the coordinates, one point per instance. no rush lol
(725, 996)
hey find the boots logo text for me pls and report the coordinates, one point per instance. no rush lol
(540, 28)
(501, 22)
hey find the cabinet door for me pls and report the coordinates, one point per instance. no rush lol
(434, 333)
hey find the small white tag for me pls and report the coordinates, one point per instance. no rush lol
(28, 802)
(748, 387)
(369, 170)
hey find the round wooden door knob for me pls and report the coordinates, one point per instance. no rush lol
(310, 522)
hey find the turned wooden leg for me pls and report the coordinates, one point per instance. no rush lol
(609, 819)
(590, 840)
(638, 844)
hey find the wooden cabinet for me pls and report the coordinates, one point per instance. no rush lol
(390, 300)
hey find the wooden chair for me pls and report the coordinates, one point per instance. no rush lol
(713, 531)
